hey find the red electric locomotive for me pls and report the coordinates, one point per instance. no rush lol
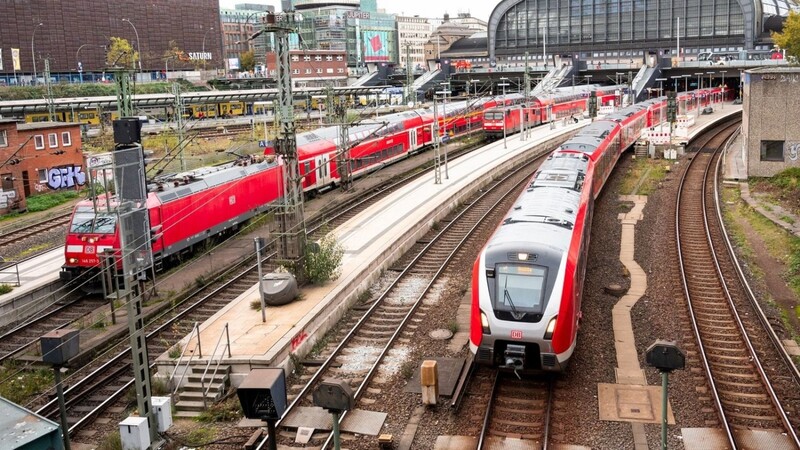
(183, 210)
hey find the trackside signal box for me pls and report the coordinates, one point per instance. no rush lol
(263, 394)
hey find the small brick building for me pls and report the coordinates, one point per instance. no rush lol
(37, 158)
(314, 68)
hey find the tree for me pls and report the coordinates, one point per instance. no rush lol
(247, 61)
(789, 38)
(177, 58)
(121, 54)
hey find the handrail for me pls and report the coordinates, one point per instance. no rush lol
(195, 329)
(216, 368)
(9, 264)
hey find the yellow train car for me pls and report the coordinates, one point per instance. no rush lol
(89, 116)
(201, 111)
(228, 109)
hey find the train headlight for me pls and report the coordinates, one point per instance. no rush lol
(73, 260)
(485, 324)
(551, 327)
(92, 240)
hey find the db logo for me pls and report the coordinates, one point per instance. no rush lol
(90, 249)
(516, 334)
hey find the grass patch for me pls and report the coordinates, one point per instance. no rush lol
(255, 305)
(111, 442)
(200, 437)
(43, 202)
(31, 250)
(224, 411)
(5, 288)
(452, 326)
(26, 384)
(644, 176)
(788, 220)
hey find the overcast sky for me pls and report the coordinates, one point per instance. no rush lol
(423, 8)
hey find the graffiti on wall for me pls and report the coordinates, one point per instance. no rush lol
(794, 150)
(7, 197)
(65, 177)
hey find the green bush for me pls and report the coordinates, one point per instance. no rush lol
(225, 411)
(5, 289)
(26, 384)
(323, 263)
(46, 201)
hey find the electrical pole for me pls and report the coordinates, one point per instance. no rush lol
(51, 107)
(331, 114)
(122, 78)
(177, 106)
(525, 110)
(292, 234)
(437, 156)
(343, 153)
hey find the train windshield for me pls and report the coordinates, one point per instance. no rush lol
(493, 116)
(89, 222)
(520, 288)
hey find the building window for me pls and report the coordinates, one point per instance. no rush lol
(306, 58)
(295, 58)
(771, 150)
(42, 175)
(296, 71)
(329, 70)
(52, 139)
(329, 58)
(3, 139)
(341, 70)
(38, 141)
(339, 58)
(319, 70)
(308, 71)
(66, 139)
(318, 58)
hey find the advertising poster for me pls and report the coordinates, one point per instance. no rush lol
(376, 46)
(15, 58)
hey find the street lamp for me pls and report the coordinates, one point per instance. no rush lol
(504, 84)
(33, 52)
(204, 46)
(723, 87)
(661, 85)
(78, 58)
(138, 44)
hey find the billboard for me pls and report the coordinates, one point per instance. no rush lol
(375, 45)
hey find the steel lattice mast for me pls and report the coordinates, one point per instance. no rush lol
(292, 235)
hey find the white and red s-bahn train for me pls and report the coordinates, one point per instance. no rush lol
(188, 208)
(527, 281)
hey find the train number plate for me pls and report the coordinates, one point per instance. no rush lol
(516, 334)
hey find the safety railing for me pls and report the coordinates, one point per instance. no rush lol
(219, 361)
(195, 332)
(10, 268)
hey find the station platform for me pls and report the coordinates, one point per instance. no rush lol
(372, 240)
(34, 285)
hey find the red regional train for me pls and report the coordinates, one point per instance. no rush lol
(527, 281)
(193, 206)
(562, 103)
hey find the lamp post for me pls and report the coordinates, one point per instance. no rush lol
(138, 44)
(33, 52)
(685, 89)
(697, 97)
(503, 85)
(661, 85)
(204, 46)
(722, 105)
(78, 58)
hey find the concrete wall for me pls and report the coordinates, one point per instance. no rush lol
(771, 105)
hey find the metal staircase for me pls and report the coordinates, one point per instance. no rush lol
(202, 389)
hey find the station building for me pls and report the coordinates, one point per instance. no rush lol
(771, 101)
(620, 29)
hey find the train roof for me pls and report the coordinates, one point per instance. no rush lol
(562, 169)
(186, 183)
(542, 216)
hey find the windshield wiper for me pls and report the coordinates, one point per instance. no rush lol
(507, 297)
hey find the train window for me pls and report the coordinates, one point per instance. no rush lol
(66, 139)
(38, 142)
(520, 288)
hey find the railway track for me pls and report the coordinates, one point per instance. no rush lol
(733, 336)
(518, 414)
(101, 386)
(11, 236)
(373, 333)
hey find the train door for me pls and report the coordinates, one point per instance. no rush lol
(412, 139)
(323, 170)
